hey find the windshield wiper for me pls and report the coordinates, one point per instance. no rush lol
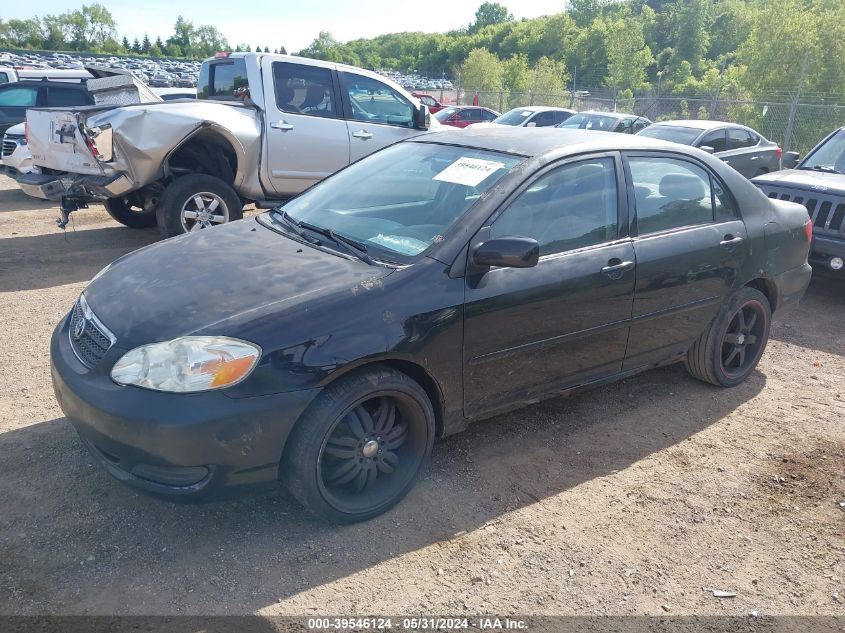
(353, 247)
(293, 225)
(824, 168)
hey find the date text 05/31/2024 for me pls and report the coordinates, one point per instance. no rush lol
(416, 624)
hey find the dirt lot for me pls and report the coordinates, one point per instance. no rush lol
(627, 500)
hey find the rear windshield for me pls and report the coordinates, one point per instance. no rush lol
(514, 117)
(591, 122)
(671, 133)
(223, 80)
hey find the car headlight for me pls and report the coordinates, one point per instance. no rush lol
(187, 364)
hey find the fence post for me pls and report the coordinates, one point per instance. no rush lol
(793, 107)
(501, 100)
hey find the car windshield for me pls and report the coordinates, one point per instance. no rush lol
(590, 122)
(398, 201)
(672, 133)
(828, 157)
(517, 116)
(445, 114)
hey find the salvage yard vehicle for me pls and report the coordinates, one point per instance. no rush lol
(263, 129)
(464, 116)
(818, 183)
(606, 122)
(742, 148)
(14, 153)
(534, 116)
(444, 279)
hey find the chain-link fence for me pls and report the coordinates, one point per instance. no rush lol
(793, 125)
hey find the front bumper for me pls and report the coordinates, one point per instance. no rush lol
(179, 446)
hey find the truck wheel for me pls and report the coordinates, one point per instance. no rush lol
(195, 202)
(127, 215)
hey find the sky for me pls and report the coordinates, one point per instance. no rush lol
(290, 24)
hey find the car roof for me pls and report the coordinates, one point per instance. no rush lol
(542, 109)
(38, 83)
(531, 142)
(698, 124)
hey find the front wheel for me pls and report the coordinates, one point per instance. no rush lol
(730, 348)
(195, 202)
(359, 447)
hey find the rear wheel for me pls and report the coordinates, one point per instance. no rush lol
(130, 215)
(358, 449)
(729, 350)
(195, 202)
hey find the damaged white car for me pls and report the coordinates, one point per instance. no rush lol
(263, 129)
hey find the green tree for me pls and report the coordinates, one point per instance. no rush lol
(146, 45)
(482, 70)
(126, 45)
(136, 46)
(283, 50)
(100, 25)
(628, 56)
(692, 39)
(490, 13)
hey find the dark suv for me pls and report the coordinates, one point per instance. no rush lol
(17, 97)
(817, 182)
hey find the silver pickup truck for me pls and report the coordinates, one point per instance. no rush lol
(263, 129)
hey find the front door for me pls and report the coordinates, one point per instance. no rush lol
(690, 244)
(377, 115)
(306, 138)
(530, 332)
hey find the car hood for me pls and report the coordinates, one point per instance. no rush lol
(804, 179)
(209, 281)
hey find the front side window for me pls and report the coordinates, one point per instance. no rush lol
(399, 200)
(569, 207)
(544, 119)
(375, 102)
(19, 97)
(304, 89)
(470, 114)
(670, 194)
(716, 140)
(488, 115)
(429, 101)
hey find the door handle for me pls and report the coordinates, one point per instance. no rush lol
(284, 126)
(730, 241)
(754, 157)
(615, 267)
(362, 134)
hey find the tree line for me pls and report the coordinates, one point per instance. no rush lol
(93, 29)
(741, 49)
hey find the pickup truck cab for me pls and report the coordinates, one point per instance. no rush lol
(263, 129)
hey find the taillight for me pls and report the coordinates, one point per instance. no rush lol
(779, 152)
(808, 230)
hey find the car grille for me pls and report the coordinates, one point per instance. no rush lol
(826, 211)
(10, 144)
(89, 338)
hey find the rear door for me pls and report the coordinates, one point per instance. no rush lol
(532, 331)
(690, 245)
(377, 115)
(306, 137)
(743, 153)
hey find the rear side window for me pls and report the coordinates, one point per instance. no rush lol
(471, 114)
(18, 97)
(224, 80)
(4, 78)
(304, 89)
(740, 138)
(59, 97)
(670, 194)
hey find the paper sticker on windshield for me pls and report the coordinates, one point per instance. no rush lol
(468, 171)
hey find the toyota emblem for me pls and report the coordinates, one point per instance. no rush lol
(79, 329)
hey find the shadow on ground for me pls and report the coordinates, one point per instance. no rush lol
(817, 322)
(72, 540)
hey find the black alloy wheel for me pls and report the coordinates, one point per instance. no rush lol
(743, 338)
(359, 447)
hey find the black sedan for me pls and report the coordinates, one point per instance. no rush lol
(441, 280)
(742, 148)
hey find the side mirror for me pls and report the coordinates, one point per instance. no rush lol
(531, 124)
(507, 252)
(790, 159)
(422, 117)
(707, 148)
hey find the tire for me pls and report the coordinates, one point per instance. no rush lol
(121, 211)
(730, 348)
(220, 204)
(340, 464)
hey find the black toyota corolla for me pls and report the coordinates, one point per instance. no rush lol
(325, 344)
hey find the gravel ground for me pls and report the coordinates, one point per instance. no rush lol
(638, 498)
